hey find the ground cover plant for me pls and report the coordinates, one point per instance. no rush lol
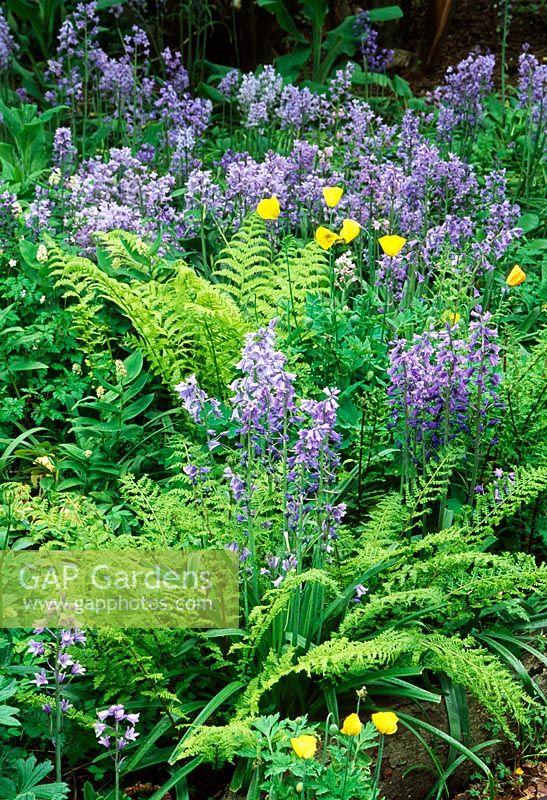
(298, 314)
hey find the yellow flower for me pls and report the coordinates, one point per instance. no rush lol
(516, 276)
(352, 725)
(268, 208)
(519, 771)
(332, 195)
(385, 722)
(350, 229)
(392, 245)
(452, 317)
(304, 746)
(325, 238)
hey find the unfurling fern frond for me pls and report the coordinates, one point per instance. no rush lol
(182, 325)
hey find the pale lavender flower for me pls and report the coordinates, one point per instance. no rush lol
(7, 42)
(36, 647)
(532, 89)
(40, 679)
(461, 98)
(228, 85)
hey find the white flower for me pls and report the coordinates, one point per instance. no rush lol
(12, 262)
(41, 254)
(23, 292)
(43, 299)
(88, 453)
(45, 461)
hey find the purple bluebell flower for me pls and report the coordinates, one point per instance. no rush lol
(375, 57)
(36, 647)
(461, 98)
(40, 679)
(360, 592)
(440, 383)
(7, 42)
(228, 85)
(532, 88)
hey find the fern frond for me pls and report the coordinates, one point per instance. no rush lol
(244, 269)
(483, 675)
(262, 286)
(300, 271)
(182, 325)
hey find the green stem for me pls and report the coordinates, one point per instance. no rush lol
(376, 783)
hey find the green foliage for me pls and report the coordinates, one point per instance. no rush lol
(40, 373)
(263, 286)
(23, 780)
(24, 158)
(182, 325)
(324, 50)
(7, 713)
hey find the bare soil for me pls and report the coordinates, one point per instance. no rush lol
(476, 24)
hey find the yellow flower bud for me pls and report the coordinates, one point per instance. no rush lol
(352, 725)
(452, 317)
(332, 195)
(516, 276)
(304, 746)
(268, 208)
(385, 722)
(392, 245)
(299, 787)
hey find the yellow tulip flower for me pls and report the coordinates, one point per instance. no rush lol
(516, 276)
(392, 245)
(268, 208)
(385, 722)
(350, 229)
(332, 195)
(304, 746)
(352, 725)
(325, 238)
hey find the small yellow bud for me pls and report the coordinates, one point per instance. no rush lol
(516, 276)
